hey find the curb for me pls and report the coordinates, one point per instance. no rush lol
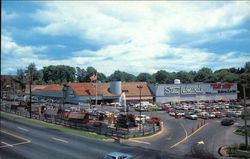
(222, 152)
(145, 137)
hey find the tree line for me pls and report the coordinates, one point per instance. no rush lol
(59, 74)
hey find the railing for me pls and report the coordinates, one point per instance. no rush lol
(103, 129)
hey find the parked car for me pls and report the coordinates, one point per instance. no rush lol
(218, 114)
(211, 116)
(154, 119)
(142, 118)
(118, 155)
(227, 122)
(190, 116)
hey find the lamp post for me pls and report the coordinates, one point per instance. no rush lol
(140, 87)
(31, 73)
(245, 115)
(64, 96)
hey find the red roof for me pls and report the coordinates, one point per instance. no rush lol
(130, 89)
(82, 89)
(53, 87)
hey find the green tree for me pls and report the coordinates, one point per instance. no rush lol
(32, 72)
(163, 76)
(185, 77)
(90, 72)
(224, 75)
(20, 79)
(101, 77)
(204, 75)
(247, 67)
(81, 74)
(59, 73)
(121, 76)
(145, 77)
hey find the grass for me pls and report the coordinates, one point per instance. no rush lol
(58, 127)
(238, 151)
(241, 131)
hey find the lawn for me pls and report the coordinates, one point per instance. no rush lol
(58, 127)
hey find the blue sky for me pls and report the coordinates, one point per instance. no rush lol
(128, 36)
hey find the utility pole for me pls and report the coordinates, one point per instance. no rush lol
(140, 87)
(96, 90)
(30, 91)
(245, 116)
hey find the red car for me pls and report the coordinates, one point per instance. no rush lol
(154, 119)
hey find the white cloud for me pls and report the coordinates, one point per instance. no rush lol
(212, 37)
(16, 56)
(8, 16)
(136, 34)
(141, 22)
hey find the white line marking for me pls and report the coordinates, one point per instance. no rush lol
(60, 140)
(7, 144)
(140, 141)
(21, 143)
(184, 129)
(22, 129)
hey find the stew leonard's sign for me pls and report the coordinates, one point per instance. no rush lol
(196, 89)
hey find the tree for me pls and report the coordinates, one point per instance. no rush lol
(121, 76)
(163, 77)
(81, 74)
(204, 75)
(224, 75)
(145, 77)
(90, 72)
(20, 79)
(59, 74)
(101, 77)
(247, 67)
(185, 77)
(32, 72)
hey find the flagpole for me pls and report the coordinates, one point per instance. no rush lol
(96, 90)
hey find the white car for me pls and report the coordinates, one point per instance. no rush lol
(211, 115)
(142, 118)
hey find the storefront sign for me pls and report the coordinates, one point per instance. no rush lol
(220, 85)
(182, 90)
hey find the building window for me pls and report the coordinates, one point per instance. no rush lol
(126, 91)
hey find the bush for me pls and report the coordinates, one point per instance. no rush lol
(243, 147)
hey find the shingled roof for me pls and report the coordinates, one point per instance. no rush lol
(82, 89)
(130, 88)
(53, 87)
(34, 88)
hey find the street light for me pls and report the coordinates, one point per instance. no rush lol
(31, 78)
(245, 114)
(64, 96)
(140, 87)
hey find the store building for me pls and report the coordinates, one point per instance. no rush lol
(165, 93)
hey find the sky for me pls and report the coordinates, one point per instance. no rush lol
(128, 36)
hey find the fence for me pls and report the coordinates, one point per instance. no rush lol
(102, 129)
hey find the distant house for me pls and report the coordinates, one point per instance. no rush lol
(80, 92)
(49, 91)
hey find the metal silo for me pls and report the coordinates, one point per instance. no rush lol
(116, 87)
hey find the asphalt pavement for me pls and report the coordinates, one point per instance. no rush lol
(24, 140)
(47, 143)
(178, 139)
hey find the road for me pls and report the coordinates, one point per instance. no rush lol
(213, 135)
(24, 140)
(54, 144)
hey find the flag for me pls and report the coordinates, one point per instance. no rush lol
(92, 78)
